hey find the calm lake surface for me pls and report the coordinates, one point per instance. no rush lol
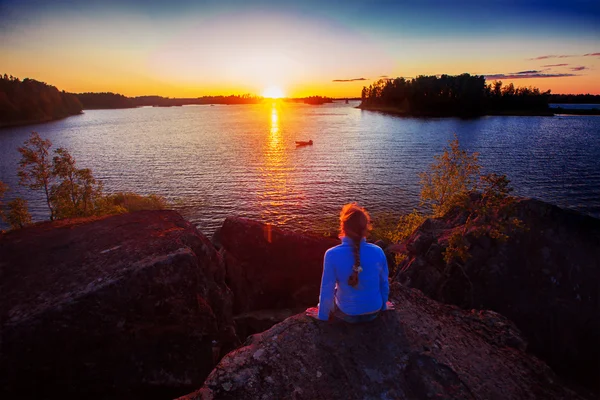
(215, 161)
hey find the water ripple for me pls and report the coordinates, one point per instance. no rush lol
(211, 162)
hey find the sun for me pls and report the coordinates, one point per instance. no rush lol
(273, 92)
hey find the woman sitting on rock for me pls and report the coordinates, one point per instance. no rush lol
(354, 286)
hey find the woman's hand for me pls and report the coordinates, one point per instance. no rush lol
(313, 312)
(389, 306)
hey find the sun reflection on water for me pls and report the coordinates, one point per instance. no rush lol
(276, 171)
(275, 135)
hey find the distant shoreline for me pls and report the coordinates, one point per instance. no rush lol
(109, 101)
(14, 124)
(550, 112)
(555, 111)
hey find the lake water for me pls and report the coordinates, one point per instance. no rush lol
(215, 161)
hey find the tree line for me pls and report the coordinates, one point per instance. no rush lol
(91, 101)
(312, 100)
(69, 191)
(113, 100)
(446, 95)
(29, 101)
(99, 101)
(575, 98)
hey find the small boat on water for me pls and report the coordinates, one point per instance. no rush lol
(301, 143)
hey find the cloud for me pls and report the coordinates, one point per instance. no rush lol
(527, 72)
(565, 56)
(553, 56)
(523, 76)
(578, 68)
(555, 65)
(349, 80)
(383, 76)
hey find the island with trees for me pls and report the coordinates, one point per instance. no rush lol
(462, 95)
(28, 101)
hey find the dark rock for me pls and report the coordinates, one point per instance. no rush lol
(270, 268)
(421, 243)
(421, 350)
(126, 306)
(546, 279)
(253, 322)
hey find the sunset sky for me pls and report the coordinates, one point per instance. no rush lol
(185, 48)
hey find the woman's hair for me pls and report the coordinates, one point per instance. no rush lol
(355, 223)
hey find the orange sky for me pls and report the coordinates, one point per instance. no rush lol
(228, 51)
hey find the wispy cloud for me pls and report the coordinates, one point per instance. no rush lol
(350, 80)
(523, 76)
(383, 76)
(553, 56)
(565, 56)
(578, 68)
(555, 65)
(527, 72)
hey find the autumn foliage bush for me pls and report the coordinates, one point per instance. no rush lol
(453, 184)
(69, 191)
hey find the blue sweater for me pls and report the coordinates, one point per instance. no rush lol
(371, 293)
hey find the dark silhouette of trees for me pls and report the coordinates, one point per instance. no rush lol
(461, 95)
(313, 100)
(98, 101)
(575, 98)
(158, 101)
(30, 101)
(112, 100)
(510, 100)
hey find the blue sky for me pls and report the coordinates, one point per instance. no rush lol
(430, 16)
